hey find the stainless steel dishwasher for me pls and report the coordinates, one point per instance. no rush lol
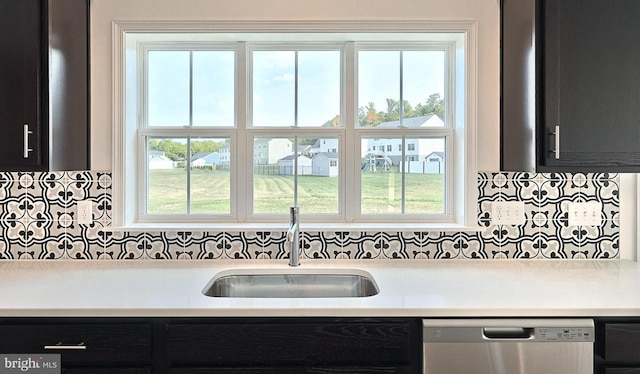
(508, 346)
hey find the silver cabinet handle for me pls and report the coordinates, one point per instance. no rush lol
(26, 150)
(556, 135)
(59, 346)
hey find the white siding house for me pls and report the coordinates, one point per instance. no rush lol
(325, 164)
(225, 155)
(286, 166)
(324, 146)
(270, 151)
(415, 149)
(157, 160)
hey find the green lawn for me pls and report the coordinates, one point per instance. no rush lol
(381, 192)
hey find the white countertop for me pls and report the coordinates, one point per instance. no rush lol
(419, 288)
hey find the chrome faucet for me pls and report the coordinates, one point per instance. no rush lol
(293, 236)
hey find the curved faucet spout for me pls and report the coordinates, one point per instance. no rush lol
(293, 237)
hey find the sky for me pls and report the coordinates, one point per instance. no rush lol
(274, 77)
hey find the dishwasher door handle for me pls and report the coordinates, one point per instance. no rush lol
(508, 332)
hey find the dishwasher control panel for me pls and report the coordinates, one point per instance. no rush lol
(560, 334)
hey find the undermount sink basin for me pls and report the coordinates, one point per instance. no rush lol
(291, 283)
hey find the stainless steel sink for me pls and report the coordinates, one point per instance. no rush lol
(294, 283)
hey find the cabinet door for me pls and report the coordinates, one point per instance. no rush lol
(113, 344)
(250, 370)
(21, 83)
(622, 342)
(296, 343)
(329, 370)
(591, 85)
(106, 371)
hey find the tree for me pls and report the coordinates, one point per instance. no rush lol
(368, 117)
(205, 146)
(335, 122)
(393, 111)
(434, 105)
(175, 150)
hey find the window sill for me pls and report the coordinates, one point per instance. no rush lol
(311, 226)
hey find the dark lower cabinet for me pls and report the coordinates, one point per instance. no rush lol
(293, 345)
(107, 371)
(617, 349)
(287, 370)
(118, 346)
(220, 345)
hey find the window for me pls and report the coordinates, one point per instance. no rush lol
(238, 127)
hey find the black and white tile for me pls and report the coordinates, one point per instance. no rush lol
(38, 220)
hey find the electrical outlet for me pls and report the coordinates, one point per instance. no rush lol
(85, 212)
(507, 213)
(585, 214)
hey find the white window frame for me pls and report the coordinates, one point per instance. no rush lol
(461, 152)
(146, 132)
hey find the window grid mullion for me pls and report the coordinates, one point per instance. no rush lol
(295, 139)
(188, 167)
(403, 161)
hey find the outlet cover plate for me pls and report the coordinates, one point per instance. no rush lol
(85, 212)
(585, 214)
(507, 213)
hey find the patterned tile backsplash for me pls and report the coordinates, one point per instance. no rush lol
(38, 220)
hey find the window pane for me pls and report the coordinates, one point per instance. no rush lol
(381, 186)
(425, 176)
(273, 88)
(273, 175)
(168, 88)
(318, 190)
(423, 75)
(213, 88)
(424, 173)
(422, 92)
(319, 88)
(378, 87)
(210, 188)
(167, 179)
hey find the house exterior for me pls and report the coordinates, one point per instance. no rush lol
(323, 146)
(225, 155)
(157, 160)
(286, 166)
(325, 164)
(415, 149)
(201, 159)
(270, 151)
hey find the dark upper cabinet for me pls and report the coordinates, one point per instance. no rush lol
(44, 85)
(21, 77)
(570, 85)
